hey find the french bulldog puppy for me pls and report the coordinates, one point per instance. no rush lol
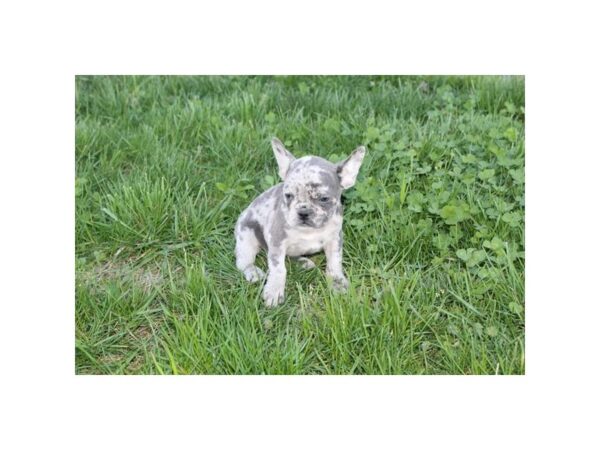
(299, 217)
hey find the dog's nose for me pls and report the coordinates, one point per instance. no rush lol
(304, 214)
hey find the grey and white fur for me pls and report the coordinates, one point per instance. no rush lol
(298, 217)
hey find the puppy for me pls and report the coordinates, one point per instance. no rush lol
(299, 217)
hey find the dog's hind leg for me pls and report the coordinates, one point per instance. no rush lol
(247, 247)
(305, 262)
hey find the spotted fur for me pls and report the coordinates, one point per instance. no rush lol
(298, 217)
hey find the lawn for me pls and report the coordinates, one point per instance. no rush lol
(433, 229)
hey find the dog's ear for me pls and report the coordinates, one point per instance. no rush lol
(348, 170)
(283, 156)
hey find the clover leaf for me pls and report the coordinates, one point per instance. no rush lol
(454, 213)
(471, 256)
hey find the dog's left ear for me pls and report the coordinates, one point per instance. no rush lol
(283, 156)
(348, 170)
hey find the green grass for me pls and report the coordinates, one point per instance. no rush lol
(434, 228)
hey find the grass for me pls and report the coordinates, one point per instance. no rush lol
(434, 228)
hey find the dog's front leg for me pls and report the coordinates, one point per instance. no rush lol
(333, 253)
(274, 288)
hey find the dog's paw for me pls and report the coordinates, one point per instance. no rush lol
(253, 274)
(306, 263)
(272, 296)
(339, 284)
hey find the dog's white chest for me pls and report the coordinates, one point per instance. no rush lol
(301, 242)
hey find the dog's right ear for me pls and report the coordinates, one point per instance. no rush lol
(283, 156)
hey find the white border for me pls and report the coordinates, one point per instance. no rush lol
(46, 44)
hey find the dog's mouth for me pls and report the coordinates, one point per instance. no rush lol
(305, 223)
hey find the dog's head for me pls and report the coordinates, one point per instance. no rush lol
(312, 186)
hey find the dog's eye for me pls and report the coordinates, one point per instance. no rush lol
(324, 199)
(288, 196)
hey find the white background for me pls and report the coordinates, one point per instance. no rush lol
(44, 44)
